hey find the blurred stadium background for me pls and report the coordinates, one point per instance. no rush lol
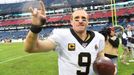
(15, 21)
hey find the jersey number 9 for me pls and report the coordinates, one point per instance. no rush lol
(84, 60)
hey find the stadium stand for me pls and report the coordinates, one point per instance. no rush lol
(95, 15)
(15, 26)
(14, 22)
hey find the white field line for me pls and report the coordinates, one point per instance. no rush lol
(12, 59)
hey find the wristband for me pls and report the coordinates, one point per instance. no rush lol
(35, 29)
(43, 21)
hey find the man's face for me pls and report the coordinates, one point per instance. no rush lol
(79, 20)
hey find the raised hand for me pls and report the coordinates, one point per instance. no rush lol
(38, 15)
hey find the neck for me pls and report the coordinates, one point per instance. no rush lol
(82, 35)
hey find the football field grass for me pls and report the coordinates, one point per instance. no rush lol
(124, 69)
(15, 61)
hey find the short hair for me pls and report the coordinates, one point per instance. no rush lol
(79, 9)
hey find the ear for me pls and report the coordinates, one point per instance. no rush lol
(88, 19)
(71, 17)
(87, 16)
(71, 20)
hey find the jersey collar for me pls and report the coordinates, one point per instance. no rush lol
(83, 43)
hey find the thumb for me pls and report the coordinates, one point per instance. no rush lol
(115, 72)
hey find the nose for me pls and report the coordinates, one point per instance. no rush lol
(80, 21)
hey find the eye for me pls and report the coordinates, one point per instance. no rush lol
(83, 19)
(77, 17)
(76, 20)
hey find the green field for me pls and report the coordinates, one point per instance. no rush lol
(125, 69)
(15, 61)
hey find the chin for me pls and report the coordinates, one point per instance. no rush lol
(80, 30)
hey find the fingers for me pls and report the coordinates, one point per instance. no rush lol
(115, 72)
(42, 7)
(34, 11)
(31, 9)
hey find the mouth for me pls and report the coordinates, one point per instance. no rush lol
(81, 25)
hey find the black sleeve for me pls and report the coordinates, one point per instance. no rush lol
(114, 43)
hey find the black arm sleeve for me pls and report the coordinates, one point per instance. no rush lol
(114, 43)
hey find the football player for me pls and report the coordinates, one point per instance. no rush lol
(77, 48)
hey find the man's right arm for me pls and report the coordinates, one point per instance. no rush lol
(33, 44)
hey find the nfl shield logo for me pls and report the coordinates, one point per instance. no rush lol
(96, 47)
